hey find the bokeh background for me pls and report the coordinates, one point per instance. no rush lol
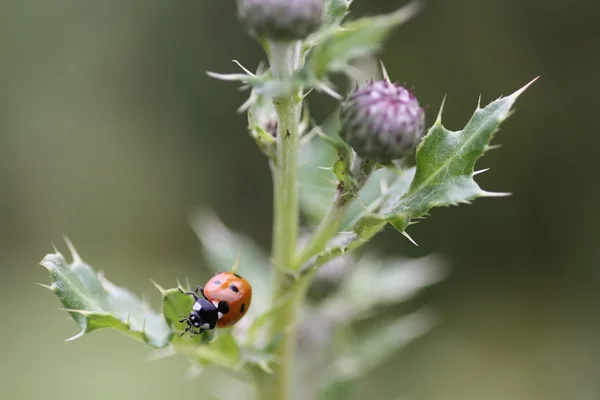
(110, 133)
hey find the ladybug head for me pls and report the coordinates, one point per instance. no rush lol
(204, 316)
(194, 319)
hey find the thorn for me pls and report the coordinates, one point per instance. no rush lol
(479, 102)
(160, 354)
(384, 71)
(187, 282)
(520, 91)
(438, 120)
(492, 147)
(74, 254)
(49, 287)
(160, 288)
(226, 77)
(260, 68)
(481, 171)
(179, 284)
(361, 203)
(327, 90)
(85, 313)
(55, 249)
(330, 180)
(307, 93)
(243, 68)
(264, 365)
(494, 194)
(246, 105)
(237, 262)
(80, 334)
(406, 235)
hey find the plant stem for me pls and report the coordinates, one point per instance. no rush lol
(285, 59)
(361, 170)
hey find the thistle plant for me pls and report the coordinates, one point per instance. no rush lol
(337, 183)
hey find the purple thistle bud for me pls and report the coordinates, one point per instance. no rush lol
(382, 121)
(281, 20)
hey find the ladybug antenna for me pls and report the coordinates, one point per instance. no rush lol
(237, 262)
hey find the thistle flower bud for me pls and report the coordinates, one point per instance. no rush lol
(281, 20)
(382, 121)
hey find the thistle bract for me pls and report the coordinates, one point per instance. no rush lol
(281, 20)
(382, 121)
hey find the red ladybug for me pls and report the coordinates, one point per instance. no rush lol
(231, 288)
(224, 300)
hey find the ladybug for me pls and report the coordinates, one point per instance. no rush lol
(234, 290)
(223, 301)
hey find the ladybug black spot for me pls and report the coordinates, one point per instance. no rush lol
(234, 288)
(217, 282)
(242, 308)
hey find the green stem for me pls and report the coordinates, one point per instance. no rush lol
(361, 170)
(285, 58)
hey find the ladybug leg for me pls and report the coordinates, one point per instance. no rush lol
(189, 294)
(200, 330)
(200, 290)
(186, 330)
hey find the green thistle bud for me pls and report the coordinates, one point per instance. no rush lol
(281, 20)
(382, 121)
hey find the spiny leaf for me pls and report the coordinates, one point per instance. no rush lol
(95, 303)
(445, 166)
(175, 306)
(223, 351)
(335, 12)
(364, 291)
(354, 39)
(372, 348)
(221, 246)
(316, 180)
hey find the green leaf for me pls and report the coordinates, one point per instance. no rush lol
(95, 303)
(221, 247)
(318, 186)
(335, 10)
(445, 166)
(316, 180)
(370, 349)
(353, 40)
(322, 165)
(223, 351)
(364, 292)
(175, 306)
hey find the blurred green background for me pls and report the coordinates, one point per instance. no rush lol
(110, 133)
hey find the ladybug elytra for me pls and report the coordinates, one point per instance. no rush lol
(223, 301)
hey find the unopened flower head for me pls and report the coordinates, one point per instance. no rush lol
(382, 121)
(281, 20)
